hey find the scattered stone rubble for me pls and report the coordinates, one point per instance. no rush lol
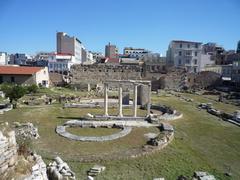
(5, 108)
(200, 175)
(26, 130)
(59, 170)
(165, 113)
(164, 136)
(95, 170)
(232, 118)
(8, 151)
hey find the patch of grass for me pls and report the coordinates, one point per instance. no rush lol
(92, 131)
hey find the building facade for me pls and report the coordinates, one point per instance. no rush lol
(111, 51)
(238, 47)
(224, 70)
(18, 59)
(236, 72)
(137, 53)
(185, 54)
(97, 56)
(70, 45)
(3, 58)
(24, 75)
(60, 63)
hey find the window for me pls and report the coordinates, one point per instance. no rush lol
(188, 45)
(12, 79)
(180, 45)
(195, 61)
(187, 61)
(196, 53)
(180, 53)
(188, 53)
(195, 70)
(179, 61)
(196, 45)
(1, 79)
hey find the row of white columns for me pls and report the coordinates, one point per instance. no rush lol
(120, 113)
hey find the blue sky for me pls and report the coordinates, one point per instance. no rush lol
(30, 25)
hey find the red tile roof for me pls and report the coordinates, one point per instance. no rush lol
(19, 70)
(112, 60)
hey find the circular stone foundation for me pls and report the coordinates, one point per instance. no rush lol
(61, 130)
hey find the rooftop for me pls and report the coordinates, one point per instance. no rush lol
(20, 70)
(183, 41)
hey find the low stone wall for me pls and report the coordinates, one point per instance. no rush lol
(8, 151)
(170, 117)
(39, 169)
(61, 130)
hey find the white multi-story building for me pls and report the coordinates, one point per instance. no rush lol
(60, 62)
(70, 45)
(90, 59)
(135, 52)
(185, 54)
(3, 58)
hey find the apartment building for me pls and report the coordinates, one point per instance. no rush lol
(186, 54)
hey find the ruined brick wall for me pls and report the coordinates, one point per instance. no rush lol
(8, 151)
(98, 73)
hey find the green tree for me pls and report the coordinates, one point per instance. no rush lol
(13, 92)
(32, 88)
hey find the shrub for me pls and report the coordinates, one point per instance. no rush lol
(13, 92)
(32, 88)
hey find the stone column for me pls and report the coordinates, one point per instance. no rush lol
(89, 87)
(120, 101)
(105, 99)
(149, 99)
(135, 100)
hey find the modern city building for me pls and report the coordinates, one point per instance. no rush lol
(238, 47)
(60, 63)
(135, 52)
(236, 71)
(18, 59)
(70, 46)
(3, 58)
(111, 51)
(224, 70)
(186, 54)
(97, 56)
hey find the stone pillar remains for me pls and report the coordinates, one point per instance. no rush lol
(105, 99)
(149, 99)
(135, 100)
(89, 87)
(120, 101)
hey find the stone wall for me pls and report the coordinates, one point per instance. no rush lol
(98, 73)
(39, 169)
(8, 151)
